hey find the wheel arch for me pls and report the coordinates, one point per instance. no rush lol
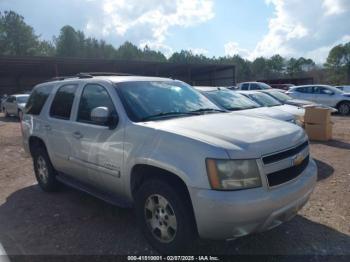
(34, 142)
(141, 173)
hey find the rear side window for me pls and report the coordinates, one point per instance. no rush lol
(254, 87)
(93, 96)
(61, 106)
(245, 87)
(37, 100)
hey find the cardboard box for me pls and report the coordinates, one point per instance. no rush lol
(317, 115)
(319, 132)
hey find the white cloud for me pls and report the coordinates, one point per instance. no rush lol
(232, 48)
(149, 21)
(305, 28)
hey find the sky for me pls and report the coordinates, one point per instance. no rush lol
(250, 28)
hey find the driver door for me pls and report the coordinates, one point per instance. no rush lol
(97, 150)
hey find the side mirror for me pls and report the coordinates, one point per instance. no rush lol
(102, 116)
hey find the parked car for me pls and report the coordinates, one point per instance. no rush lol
(268, 101)
(14, 105)
(286, 99)
(345, 89)
(2, 100)
(323, 94)
(281, 86)
(233, 101)
(253, 86)
(160, 146)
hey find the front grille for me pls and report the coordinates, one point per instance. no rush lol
(287, 174)
(285, 154)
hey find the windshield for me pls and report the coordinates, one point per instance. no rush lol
(280, 96)
(264, 100)
(22, 99)
(147, 100)
(231, 100)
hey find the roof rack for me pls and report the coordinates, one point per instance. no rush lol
(104, 74)
(88, 75)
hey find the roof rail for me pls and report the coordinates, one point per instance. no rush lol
(105, 74)
(88, 75)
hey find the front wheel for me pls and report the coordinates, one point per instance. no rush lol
(344, 108)
(165, 217)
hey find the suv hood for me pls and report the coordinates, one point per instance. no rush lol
(267, 112)
(241, 136)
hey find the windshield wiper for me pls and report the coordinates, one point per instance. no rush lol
(204, 110)
(165, 114)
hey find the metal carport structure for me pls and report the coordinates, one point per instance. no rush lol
(18, 74)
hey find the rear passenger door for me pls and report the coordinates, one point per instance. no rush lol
(58, 128)
(98, 150)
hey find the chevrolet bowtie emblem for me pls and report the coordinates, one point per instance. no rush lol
(297, 160)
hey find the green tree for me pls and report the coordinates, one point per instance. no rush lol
(128, 51)
(260, 68)
(338, 60)
(276, 65)
(68, 43)
(16, 37)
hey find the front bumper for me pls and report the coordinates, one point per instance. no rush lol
(232, 214)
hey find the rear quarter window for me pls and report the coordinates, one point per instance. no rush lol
(37, 100)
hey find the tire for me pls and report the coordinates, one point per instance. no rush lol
(344, 108)
(20, 114)
(44, 172)
(5, 112)
(178, 233)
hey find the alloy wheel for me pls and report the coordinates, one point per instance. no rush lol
(160, 218)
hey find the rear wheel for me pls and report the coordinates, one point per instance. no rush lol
(165, 217)
(344, 108)
(44, 171)
(20, 114)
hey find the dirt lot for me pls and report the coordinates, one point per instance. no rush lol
(72, 222)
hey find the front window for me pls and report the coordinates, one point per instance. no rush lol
(264, 100)
(22, 99)
(152, 100)
(231, 100)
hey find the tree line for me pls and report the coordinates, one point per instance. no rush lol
(17, 38)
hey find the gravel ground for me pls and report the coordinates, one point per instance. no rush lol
(72, 222)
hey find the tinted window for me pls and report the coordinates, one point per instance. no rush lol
(157, 99)
(11, 99)
(62, 103)
(306, 89)
(37, 100)
(93, 96)
(245, 86)
(254, 86)
(22, 99)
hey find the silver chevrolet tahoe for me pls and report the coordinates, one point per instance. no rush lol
(188, 168)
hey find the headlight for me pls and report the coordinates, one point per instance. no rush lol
(233, 174)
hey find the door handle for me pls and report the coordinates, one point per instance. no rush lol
(77, 135)
(47, 127)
